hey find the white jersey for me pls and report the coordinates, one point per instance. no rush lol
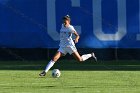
(66, 36)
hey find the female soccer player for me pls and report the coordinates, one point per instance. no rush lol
(67, 45)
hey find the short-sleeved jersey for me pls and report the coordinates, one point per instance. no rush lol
(66, 36)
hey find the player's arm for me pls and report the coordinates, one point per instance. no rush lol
(77, 36)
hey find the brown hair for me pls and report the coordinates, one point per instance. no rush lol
(67, 17)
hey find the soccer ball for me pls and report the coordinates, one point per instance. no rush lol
(56, 73)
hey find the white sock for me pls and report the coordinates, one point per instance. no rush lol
(86, 56)
(50, 64)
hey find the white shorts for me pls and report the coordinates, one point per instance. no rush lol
(66, 50)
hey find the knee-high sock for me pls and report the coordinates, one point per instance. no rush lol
(49, 65)
(86, 56)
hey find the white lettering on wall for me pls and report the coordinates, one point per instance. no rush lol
(97, 21)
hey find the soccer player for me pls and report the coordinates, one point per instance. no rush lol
(67, 45)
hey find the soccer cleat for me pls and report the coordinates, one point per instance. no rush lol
(93, 55)
(42, 73)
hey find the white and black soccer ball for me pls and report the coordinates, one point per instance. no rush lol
(56, 73)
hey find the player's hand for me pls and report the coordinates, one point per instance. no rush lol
(77, 37)
(76, 40)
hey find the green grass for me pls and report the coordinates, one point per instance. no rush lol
(76, 80)
(17, 81)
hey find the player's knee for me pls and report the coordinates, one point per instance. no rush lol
(80, 59)
(55, 59)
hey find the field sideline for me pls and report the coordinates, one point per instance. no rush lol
(23, 77)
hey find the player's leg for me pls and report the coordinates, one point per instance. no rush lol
(83, 57)
(54, 59)
(51, 63)
(77, 56)
(87, 56)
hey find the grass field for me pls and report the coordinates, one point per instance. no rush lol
(22, 77)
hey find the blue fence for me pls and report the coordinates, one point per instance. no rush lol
(100, 23)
